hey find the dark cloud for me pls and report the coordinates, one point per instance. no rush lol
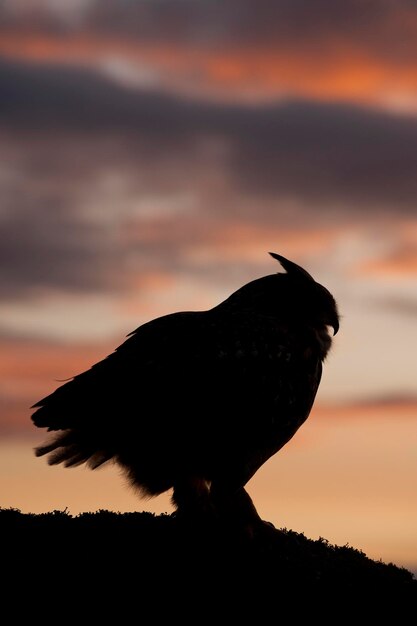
(328, 154)
(49, 246)
(386, 26)
(64, 130)
(337, 155)
(41, 98)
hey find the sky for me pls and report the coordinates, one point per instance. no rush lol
(151, 154)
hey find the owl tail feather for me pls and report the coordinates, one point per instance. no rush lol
(72, 450)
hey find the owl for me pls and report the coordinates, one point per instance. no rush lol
(196, 402)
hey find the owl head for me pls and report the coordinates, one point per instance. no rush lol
(293, 297)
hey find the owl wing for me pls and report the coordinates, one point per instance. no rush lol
(209, 382)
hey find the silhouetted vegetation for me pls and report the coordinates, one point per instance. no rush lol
(161, 551)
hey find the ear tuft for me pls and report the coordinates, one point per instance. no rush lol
(291, 268)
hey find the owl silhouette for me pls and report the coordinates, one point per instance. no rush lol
(198, 401)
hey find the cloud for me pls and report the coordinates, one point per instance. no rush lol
(315, 153)
(372, 407)
(30, 369)
(205, 23)
(321, 50)
(401, 263)
(330, 155)
(99, 181)
(403, 306)
(46, 243)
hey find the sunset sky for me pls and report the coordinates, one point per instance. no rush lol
(151, 154)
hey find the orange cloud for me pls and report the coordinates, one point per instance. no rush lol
(378, 408)
(400, 261)
(29, 370)
(400, 264)
(337, 74)
(212, 241)
(336, 70)
(39, 361)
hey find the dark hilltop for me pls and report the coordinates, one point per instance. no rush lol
(108, 546)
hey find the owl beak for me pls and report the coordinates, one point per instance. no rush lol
(335, 326)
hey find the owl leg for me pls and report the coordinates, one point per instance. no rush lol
(236, 509)
(191, 497)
